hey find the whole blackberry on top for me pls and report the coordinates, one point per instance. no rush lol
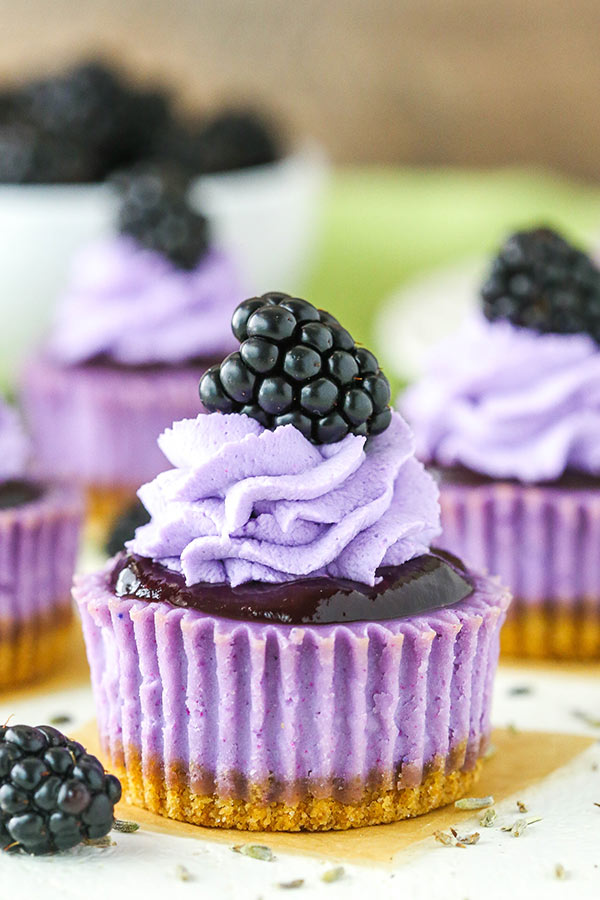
(540, 281)
(154, 210)
(297, 365)
(53, 794)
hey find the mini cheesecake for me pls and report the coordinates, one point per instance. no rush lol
(279, 648)
(146, 313)
(507, 416)
(39, 532)
(314, 705)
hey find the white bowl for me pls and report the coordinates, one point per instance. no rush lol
(267, 217)
(424, 311)
(41, 227)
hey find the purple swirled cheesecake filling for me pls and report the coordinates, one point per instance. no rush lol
(508, 403)
(243, 503)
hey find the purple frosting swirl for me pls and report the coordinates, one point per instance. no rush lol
(14, 445)
(135, 307)
(509, 403)
(247, 504)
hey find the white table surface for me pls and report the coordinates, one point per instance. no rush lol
(145, 864)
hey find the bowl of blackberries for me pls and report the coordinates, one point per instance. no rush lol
(65, 136)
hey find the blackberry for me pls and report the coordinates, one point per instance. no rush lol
(149, 116)
(8, 103)
(28, 156)
(540, 281)
(87, 104)
(230, 140)
(91, 106)
(53, 794)
(297, 365)
(125, 526)
(155, 212)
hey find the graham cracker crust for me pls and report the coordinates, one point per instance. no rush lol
(377, 807)
(104, 505)
(32, 648)
(551, 633)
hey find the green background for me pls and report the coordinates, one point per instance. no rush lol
(384, 226)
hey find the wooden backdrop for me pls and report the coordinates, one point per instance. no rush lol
(421, 81)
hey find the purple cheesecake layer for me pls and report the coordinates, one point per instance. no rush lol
(327, 710)
(543, 540)
(98, 424)
(38, 547)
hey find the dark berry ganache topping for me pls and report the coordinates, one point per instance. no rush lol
(540, 281)
(18, 492)
(297, 365)
(433, 581)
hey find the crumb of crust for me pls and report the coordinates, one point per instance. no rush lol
(32, 648)
(437, 789)
(550, 634)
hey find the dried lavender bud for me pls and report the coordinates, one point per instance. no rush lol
(255, 851)
(332, 875)
(474, 802)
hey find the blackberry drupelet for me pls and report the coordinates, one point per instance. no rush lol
(155, 212)
(297, 365)
(540, 281)
(124, 528)
(53, 794)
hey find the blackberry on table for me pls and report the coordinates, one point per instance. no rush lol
(540, 281)
(155, 212)
(53, 794)
(125, 527)
(297, 365)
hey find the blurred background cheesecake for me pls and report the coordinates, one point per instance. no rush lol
(447, 125)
